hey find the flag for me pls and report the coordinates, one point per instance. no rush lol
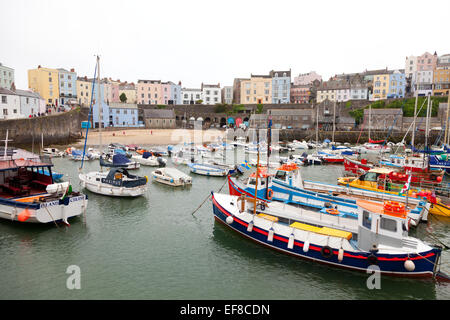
(407, 184)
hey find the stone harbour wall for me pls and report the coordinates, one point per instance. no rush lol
(62, 128)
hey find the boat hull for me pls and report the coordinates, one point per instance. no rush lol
(51, 211)
(94, 186)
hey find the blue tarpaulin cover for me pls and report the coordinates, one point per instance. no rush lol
(120, 159)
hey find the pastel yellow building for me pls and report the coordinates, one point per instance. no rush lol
(441, 80)
(45, 82)
(257, 89)
(380, 86)
(84, 91)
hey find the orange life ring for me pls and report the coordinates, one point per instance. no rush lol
(270, 194)
(332, 211)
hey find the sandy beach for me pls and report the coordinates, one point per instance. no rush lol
(151, 137)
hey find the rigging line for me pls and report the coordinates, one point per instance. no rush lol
(209, 195)
(89, 116)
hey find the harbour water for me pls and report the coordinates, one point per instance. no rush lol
(152, 247)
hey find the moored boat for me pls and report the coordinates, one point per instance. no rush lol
(171, 177)
(28, 195)
(377, 237)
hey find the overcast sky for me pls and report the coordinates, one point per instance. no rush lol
(197, 41)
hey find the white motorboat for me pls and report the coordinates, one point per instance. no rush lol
(171, 177)
(298, 145)
(53, 152)
(116, 182)
(148, 159)
(208, 169)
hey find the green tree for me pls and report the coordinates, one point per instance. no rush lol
(259, 108)
(123, 97)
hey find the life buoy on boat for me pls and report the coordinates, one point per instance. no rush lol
(332, 211)
(326, 252)
(270, 194)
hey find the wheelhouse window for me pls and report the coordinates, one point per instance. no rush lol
(388, 224)
(367, 220)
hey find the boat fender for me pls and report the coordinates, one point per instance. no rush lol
(291, 241)
(341, 255)
(306, 246)
(229, 219)
(270, 194)
(250, 226)
(326, 252)
(372, 259)
(270, 235)
(171, 180)
(409, 265)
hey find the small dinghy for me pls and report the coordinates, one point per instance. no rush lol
(208, 169)
(171, 177)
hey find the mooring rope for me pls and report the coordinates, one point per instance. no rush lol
(209, 195)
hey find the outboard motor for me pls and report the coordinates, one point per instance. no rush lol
(161, 162)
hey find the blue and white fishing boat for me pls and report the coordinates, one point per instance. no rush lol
(377, 237)
(287, 186)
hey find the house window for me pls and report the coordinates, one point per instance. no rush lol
(4, 99)
(5, 112)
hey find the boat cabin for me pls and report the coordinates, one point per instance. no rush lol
(24, 177)
(290, 174)
(386, 225)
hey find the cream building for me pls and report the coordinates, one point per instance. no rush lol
(129, 90)
(84, 91)
(45, 82)
(256, 90)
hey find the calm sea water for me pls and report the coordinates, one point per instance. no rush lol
(152, 247)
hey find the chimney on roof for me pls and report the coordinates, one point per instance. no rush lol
(39, 66)
(72, 70)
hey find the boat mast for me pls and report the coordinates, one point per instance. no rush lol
(257, 170)
(447, 128)
(269, 142)
(100, 115)
(370, 119)
(334, 119)
(414, 120)
(317, 127)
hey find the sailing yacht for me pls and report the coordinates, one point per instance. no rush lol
(117, 182)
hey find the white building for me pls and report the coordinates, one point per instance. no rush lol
(342, 94)
(211, 93)
(6, 77)
(359, 93)
(191, 96)
(31, 103)
(9, 104)
(423, 81)
(410, 66)
(227, 94)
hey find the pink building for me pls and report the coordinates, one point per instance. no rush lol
(150, 92)
(111, 88)
(427, 62)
